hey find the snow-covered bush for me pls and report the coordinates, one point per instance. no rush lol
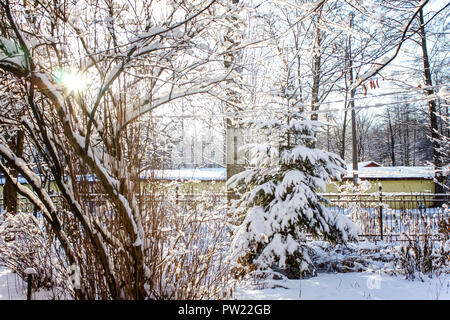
(25, 243)
(188, 253)
(352, 191)
(89, 121)
(280, 206)
(354, 257)
(361, 212)
(423, 256)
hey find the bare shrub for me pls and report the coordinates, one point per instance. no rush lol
(95, 141)
(423, 255)
(444, 223)
(25, 243)
(188, 252)
(359, 212)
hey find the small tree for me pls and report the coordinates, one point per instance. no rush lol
(280, 206)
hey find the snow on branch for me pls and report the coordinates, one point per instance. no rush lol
(377, 67)
(148, 103)
(25, 191)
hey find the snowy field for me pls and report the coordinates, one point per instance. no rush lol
(13, 288)
(9, 286)
(326, 286)
(348, 286)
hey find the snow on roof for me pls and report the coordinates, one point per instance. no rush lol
(219, 174)
(203, 174)
(392, 172)
(21, 179)
(209, 174)
(367, 163)
(364, 164)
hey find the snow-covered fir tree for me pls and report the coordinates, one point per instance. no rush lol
(279, 205)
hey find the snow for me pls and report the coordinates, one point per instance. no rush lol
(366, 163)
(10, 286)
(219, 174)
(10, 52)
(13, 288)
(443, 92)
(347, 286)
(51, 88)
(392, 172)
(326, 286)
(21, 179)
(8, 46)
(6, 151)
(30, 271)
(203, 174)
(150, 33)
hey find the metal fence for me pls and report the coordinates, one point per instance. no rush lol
(386, 217)
(395, 217)
(25, 205)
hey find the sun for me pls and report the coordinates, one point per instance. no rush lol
(71, 80)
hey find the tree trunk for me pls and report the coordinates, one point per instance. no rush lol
(392, 139)
(352, 108)
(316, 75)
(431, 107)
(234, 132)
(344, 132)
(10, 196)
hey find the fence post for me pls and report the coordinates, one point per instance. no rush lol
(380, 210)
(29, 272)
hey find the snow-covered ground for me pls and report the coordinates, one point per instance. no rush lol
(11, 286)
(326, 286)
(348, 286)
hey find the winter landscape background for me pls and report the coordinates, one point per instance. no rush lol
(224, 149)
